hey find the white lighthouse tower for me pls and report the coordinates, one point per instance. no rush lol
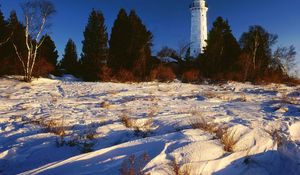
(198, 26)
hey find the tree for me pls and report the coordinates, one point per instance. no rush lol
(220, 56)
(167, 52)
(70, 59)
(36, 13)
(10, 62)
(286, 58)
(4, 37)
(257, 43)
(130, 45)
(140, 47)
(3, 42)
(48, 50)
(95, 46)
(119, 42)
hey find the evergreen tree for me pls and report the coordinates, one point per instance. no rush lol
(95, 46)
(221, 54)
(69, 62)
(12, 63)
(140, 46)
(48, 50)
(130, 45)
(3, 40)
(3, 30)
(119, 42)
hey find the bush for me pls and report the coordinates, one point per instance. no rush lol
(270, 77)
(125, 75)
(190, 76)
(162, 73)
(105, 73)
(43, 68)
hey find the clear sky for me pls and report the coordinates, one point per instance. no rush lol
(169, 20)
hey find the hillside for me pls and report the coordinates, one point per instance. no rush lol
(47, 127)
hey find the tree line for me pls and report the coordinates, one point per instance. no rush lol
(126, 54)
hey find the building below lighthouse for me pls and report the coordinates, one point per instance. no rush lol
(198, 27)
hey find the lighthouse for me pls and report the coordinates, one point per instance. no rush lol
(198, 27)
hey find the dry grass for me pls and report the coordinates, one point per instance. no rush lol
(204, 124)
(276, 135)
(178, 169)
(105, 105)
(134, 165)
(54, 126)
(141, 128)
(218, 95)
(227, 139)
(127, 121)
(243, 97)
(209, 94)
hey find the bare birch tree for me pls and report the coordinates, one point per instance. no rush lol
(36, 13)
(287, 57)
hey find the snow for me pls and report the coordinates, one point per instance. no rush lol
(168, 60)
(295, 131)
(252, 114)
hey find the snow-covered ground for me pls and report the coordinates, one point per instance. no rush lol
(46, 126)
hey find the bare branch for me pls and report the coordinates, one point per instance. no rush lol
(7, 39)
(36, 13)
(19, 56)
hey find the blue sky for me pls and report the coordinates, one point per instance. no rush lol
(169, 20)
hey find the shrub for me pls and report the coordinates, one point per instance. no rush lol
(125, 75)
(270, 77)
(105, 73)
(162, 73)
(190, 76)
(43, 68)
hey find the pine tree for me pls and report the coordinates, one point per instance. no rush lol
(119, 42)
(3, 30)
(140, 46)
(222, 51)
(130, 45)
(12, 63)
(95, 46)
(69, 62)
(3, 42)
(3, 37)
(48, 51)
